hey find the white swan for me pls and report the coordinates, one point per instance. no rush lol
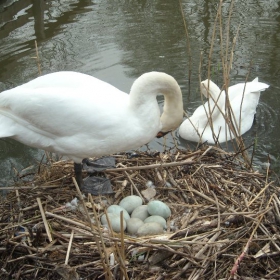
(199, 128)
(80, 116)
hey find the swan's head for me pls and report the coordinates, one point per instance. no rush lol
(209, 88)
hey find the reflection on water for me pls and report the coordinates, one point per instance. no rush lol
(117, 41)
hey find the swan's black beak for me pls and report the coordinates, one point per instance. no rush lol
(161, 134)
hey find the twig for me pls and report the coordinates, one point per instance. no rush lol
(38, 59)
(70, 221)
(258, 195)
(44, 219)
(69, 248)
(106, 257)
(135, 188)
(187, 39)
(29, 187)
(151, 166)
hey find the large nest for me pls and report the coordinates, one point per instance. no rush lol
(224, 224)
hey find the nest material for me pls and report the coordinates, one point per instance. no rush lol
(224, 224)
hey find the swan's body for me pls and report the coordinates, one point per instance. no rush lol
(79, 116)
(197, 128)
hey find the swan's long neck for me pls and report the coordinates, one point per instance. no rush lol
(172, 115)
(210, 88)
(145, 89)
(216, 98)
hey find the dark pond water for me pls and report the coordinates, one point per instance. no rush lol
(117, 41)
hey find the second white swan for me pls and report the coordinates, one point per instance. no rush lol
(243, 97)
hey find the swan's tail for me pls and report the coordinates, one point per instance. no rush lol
(258, 86)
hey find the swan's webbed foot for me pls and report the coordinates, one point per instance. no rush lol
(98, 165)
(95, 185)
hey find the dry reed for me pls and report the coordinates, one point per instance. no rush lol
(224, 224)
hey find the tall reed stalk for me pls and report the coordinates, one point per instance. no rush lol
(227, 48)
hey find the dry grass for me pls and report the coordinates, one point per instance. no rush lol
(225, 221)
(224, 224)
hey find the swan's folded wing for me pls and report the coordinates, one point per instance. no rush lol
(254, 86)
(67, 79)
(58, 111)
